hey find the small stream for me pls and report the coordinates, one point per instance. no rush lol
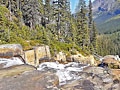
(66, 73)
(11, 62)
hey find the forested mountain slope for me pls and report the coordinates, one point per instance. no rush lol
(107, 16)
(104, 13)
(34, 22)
(109, 44)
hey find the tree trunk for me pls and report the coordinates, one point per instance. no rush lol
(8, 34)
(9, 7)
(18, 5)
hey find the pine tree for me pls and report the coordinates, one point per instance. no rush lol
(71, 33)
(47, 11)
(82, 32)
(56, 13)
(61, 16)
(84, 28)
(3, 2)
(31, 13)
(80, 5)
(18, 4)
(90, 20)
(90, 16)
(92, 31)
(67, 19)
(79, 33)
(90, 27)
(94, 37)
(41, 7)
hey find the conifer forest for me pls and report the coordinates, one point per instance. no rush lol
(50, 22)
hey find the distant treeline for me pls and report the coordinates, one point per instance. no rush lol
(109, 44)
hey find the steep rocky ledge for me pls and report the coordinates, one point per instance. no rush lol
(81, 74)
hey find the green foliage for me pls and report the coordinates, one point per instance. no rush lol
(109, 44)
(49, 24)
(93, 40)
(61, 14)
(109, 26)
(27, 48)
(33, 43)
(73, 52)
(57, 46)
(82, 27)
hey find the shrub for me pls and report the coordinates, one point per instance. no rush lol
(27, 48)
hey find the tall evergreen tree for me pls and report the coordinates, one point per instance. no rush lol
(92, 30)
(90, 19)
(47, 11)
(90, 16)
(94, 37)
(31, 13)
(67, 20)
(82, 32)
(71, 33)
(57, 12)
(61, 10)
(90, 26)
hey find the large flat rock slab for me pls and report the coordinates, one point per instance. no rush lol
(34, 80)
(15, 70)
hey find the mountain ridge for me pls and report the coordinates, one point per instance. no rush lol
(104, 12)
(112, 7)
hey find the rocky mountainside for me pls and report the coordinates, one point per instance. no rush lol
(104, 6)
(106, 14)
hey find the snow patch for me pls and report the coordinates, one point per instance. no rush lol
(10, 62)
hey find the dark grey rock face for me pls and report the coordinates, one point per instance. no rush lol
(106, 6)
(105, 9)
(103, 5)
